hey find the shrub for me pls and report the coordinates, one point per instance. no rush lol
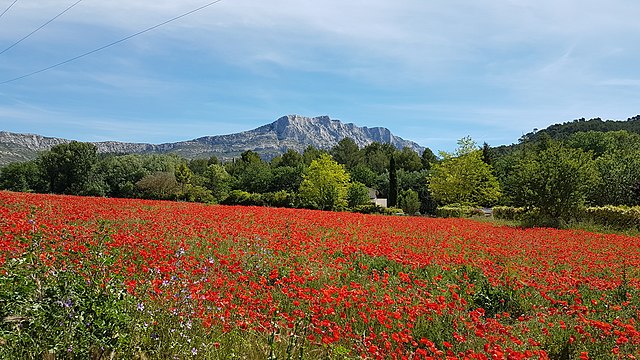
(376, 209)
(410, 202)
(457, 211)
(508, 213)
(622, 217)
(278, 199)
(239, 197)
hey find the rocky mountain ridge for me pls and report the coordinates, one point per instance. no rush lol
(288, 132)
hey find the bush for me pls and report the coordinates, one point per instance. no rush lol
(508, 213)
(278, 199)
(376, 209)
(196, 193)
(357, 194)
(409, 202)
(457, 211)
(239, 197)
(621, 217)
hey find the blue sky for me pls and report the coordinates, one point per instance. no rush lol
(430, 71)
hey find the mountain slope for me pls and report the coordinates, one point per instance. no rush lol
(289, 132)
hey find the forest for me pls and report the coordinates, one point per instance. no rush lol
(549, 176)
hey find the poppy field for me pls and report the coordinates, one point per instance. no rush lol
(85, 277)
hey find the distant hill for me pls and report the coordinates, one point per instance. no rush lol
(289, 132)
(564, 130)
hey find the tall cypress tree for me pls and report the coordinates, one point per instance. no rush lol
(392, 199)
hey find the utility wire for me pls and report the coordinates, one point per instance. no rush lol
(38, 29)
(110, 44)
(7, 9)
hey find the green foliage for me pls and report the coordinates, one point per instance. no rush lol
(376, 209)
(377, 155)
(183, 174)
(357, 194)
(409, 202)
(218, 180)
(347, 153)
(462, 177)
(554, 181)
(121, 173)
(408, 160)
(392, 198)
(197, 193)
(324, 185)
(619, 172)
(619, 217)
(278, 199)
(508, 213)
(198, 166)
(311, 153)
(487, 154)
(240, 197)
(286, 178)
(22, 176)
(291, 158)
(458, 211)
(565, 130)
(70, 168)
(428, 158)
(252, 174)
(159, 185)
(362, 173)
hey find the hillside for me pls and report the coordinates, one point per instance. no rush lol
(289, 132)
(564, 130)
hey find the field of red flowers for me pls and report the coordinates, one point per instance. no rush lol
(151, 279)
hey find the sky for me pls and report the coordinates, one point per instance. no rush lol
(430, 71)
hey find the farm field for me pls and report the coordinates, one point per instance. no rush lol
(85, 277)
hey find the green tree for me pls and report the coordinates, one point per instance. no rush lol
(428, 158)
(418, 182)
(218, 181)
(286, 178)
(159, 185)
(291, 158)
(347, 152)
(463, 178)
(487, 154)
(377, 155)
(407, 160)
(409, 202)
(70, 168)
(324, 185)
(198, 166)
(121, 173)
(619, 173)
(362, 173)
(553, 181)
(357, 194)
(22, 176)
(392, 199)
(183, 174)
(311, 153)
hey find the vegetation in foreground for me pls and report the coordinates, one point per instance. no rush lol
(98, 278)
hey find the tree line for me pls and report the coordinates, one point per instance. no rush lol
(551, 178)
(335, 179)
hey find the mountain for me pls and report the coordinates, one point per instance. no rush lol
(289, 132)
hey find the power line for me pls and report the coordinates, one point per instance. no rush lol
(7, 9)
(110, 44)
(38, 29)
